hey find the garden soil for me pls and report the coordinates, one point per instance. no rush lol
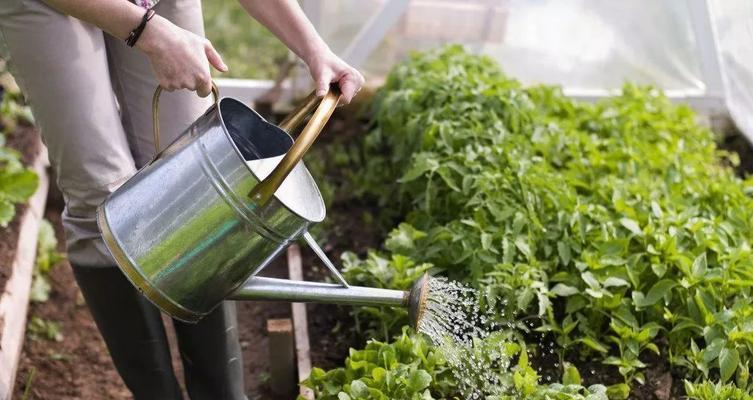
(26, 141)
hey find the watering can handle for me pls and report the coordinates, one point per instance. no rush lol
(155, 112)
(264, 190)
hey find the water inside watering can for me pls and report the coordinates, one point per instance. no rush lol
(298, 192)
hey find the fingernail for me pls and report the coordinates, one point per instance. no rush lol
(321, 92)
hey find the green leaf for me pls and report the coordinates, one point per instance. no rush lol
(419, 380)
(358, 389)
(699, 266)
(592, 343)
(7, 212)
(656, 293)
(712, 351)
(378, 374)
(571, 375)
(728, 362)
(563, 290)
(619, 391)
(422, 164)
(403, 238)
(40, 289)
(486, 241)
(18, 186)
(522, 244)
(615, 282)
(656, 210)
(632, 226)
(564, 252)
(590, 280)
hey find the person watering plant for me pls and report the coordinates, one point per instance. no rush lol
(91, 95)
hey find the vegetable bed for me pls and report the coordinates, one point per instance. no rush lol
(23, 188)
(611, 239)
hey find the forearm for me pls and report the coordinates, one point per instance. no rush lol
(116, 17)
(286, 20)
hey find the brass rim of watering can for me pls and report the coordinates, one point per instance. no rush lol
(142, 284)
(325, 106)
(322, 108)
(155, 112)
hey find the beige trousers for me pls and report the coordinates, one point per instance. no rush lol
(91, 96)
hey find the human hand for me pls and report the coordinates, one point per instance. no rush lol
(180, 58)
(326, 67)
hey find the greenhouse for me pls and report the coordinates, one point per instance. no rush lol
(376, 199)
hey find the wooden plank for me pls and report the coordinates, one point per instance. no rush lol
(282, 378)
(14, 301)
(300, 324)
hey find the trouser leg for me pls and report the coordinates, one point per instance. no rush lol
(211, 355)
(133, 331)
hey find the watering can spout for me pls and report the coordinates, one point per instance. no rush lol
(274, 289)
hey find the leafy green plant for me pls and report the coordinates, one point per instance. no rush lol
(397, 272)
(47, 257)
(404, 369)
(618, 225)
(17, 183)
(13, 110)
(714, 391)
(409, 368)
(39, 328)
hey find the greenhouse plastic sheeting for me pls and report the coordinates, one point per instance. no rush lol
(587, 45)
(734, 26)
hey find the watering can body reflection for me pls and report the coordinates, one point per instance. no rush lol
(197, 223)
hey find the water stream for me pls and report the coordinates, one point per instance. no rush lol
(455, 323)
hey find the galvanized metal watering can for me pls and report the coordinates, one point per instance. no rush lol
(196, 224)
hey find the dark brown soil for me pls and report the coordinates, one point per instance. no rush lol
(26, 141)
(8, 244)
(661, 382)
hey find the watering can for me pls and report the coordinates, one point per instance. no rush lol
(197, 224)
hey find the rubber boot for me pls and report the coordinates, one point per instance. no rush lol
(133, 331)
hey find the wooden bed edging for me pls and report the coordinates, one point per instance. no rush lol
(14, 301)
(300, 324)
